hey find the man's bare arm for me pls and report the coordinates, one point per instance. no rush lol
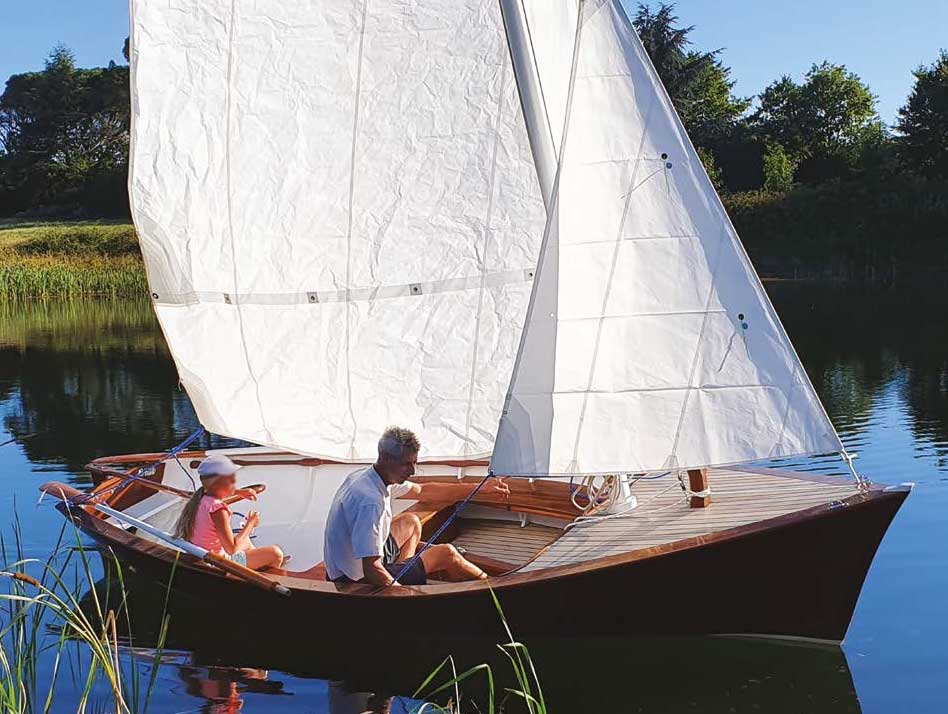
(451, 492)
(375, 573)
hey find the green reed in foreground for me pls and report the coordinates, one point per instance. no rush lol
(64, 260)
(42, 617)
(528, 690)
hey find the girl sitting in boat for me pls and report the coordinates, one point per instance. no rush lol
(205, 520)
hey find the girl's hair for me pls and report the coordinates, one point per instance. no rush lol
(185, 526)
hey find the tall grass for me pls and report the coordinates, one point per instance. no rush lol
(528, 690)
(43, 618)
(64, 260)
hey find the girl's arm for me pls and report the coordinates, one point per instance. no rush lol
(231, 544)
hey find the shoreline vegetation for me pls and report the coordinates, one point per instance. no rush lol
(70, 260)
(846, 231)
(818, 184)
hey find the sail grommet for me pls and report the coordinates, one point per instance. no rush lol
(415, 289)
(664, 156)
(312, 297)
(227, 299)
(668, 164)
(154, 296)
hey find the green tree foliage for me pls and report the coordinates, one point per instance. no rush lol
(698, 83)
(64, 137)
(714, 173)
(825, 124)
(778, 169)
(923, 121)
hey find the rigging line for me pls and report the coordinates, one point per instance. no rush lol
(548, 228)
(232, 30)
(485, 263)
(457, 511)
(352, 158)
(135, 473)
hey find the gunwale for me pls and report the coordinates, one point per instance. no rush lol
(105, 532)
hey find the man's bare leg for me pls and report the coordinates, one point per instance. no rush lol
(446, 558)
(406, 530)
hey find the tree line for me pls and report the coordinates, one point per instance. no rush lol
(64, 135)
(824, 128)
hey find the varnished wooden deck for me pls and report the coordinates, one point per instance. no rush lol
(505, 541)
(739, 497)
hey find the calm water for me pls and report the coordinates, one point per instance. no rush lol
(82, 380)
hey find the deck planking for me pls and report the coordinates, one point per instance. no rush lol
(504, 541)
(738, 497)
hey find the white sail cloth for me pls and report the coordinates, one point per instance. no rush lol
(650, 343)
(339, 214)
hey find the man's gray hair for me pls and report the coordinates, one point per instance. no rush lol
(396, 441)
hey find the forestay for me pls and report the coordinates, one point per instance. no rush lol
(340, 215)
(650, 342)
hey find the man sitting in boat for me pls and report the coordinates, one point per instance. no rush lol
(365, 543)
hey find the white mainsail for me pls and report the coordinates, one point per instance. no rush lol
(341, 206)
(339, 213)
(650, 343)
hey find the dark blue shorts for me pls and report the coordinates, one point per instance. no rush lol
(416, 575)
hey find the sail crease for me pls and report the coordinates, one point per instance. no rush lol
(488, 233)
(608, 291)
(352, 171)
(230, 214)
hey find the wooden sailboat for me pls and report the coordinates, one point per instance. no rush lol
(485, 221)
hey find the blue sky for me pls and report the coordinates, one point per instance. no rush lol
(880, 40)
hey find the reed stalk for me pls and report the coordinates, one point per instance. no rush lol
(43, 616)
(528, 690)
(67, 260)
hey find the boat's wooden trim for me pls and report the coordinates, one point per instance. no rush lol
(107, 531)
(246, 460)
(796, 575)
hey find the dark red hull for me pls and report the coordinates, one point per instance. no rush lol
(798, 575)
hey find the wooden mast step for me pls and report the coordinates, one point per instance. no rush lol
(698, 483)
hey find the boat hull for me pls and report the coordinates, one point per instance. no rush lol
(795, 576)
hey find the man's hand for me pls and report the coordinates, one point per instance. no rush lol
(498, 486)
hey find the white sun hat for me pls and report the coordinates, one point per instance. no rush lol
(217, 465)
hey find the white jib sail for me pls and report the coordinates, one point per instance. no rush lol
(339, 213)
(650, 342)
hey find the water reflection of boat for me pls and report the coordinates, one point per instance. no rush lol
(447, 260)
(654, 675)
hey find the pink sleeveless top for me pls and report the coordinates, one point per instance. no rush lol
(205, 534)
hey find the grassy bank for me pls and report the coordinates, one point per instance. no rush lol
(65, 260)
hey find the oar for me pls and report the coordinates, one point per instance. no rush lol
(67, 493)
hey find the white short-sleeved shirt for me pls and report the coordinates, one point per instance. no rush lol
(359, 522)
